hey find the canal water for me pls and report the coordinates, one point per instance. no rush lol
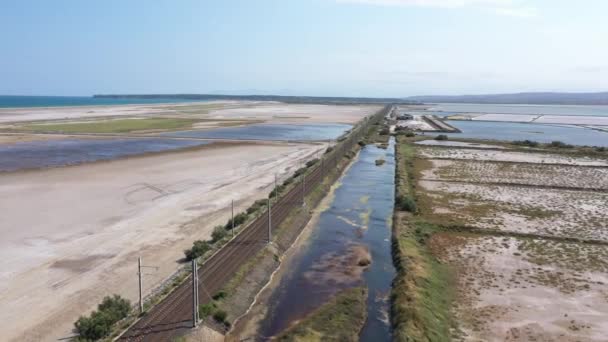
(269, 132)
(358, 218)
(54, 153)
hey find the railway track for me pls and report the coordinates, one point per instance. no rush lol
(172, 317)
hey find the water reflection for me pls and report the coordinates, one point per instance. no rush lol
(270, 132)
(357, 223)
(53, 153)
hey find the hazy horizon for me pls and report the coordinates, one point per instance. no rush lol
(354, 48)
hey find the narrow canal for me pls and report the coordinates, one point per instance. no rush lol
(356, 225)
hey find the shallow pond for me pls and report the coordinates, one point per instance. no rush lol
(359, 216)
(453, 108)
(269, 132)
(521, 131)
(53, 153)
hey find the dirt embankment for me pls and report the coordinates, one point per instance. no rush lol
(341, 319)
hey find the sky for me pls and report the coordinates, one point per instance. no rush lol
(376, 48)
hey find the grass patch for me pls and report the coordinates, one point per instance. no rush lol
(341, 319)
(111, 126)
(422, 293)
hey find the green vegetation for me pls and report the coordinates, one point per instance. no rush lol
(112, 126)
(220, 316)
(441, 137)
(422, 291)
(559, 144)
(312, 162)
(405, 203)
(199, 248)
(257, 205)
(341, 319)
(526, 142)
(421, 296)
(212, 309)
(99, 324)
(380, 162)
(240, 218)
(218, 233)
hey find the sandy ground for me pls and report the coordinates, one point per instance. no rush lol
(511, 289)
(204, 334)
(71, 235)
(268, 111)
(298, 113)
(518, 157)
(84, 112)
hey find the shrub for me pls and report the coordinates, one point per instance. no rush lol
(410, 134)
(239, 219)
(276, 191)
(312, 162)
(384, 131)
(600, 149)
(220, 295)
(220, 316)
(405, 203)
(218, 233)
(206, 310)
(99, 323)
(255, 206)
(526, 142)
(329, 149)
(198, 249)
(559, 144)
(361, 143)
(441, 137)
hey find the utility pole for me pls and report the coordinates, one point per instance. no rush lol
(276, 192)
(304, 189)
(232, 220)
(194, 293)
(140, 275)
(269, 222)
(322, 166)
(141, 302)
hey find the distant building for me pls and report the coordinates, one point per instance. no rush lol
(404, 117)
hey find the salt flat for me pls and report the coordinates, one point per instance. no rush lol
(243, 110)
(511, 289)
(509, 156)
(69, 236)
(517, 265)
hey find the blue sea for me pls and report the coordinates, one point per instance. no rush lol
(63, 101)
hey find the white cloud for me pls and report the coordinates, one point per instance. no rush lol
(515, 8)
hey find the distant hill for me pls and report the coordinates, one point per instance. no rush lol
(278, 98)
(522, 98)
